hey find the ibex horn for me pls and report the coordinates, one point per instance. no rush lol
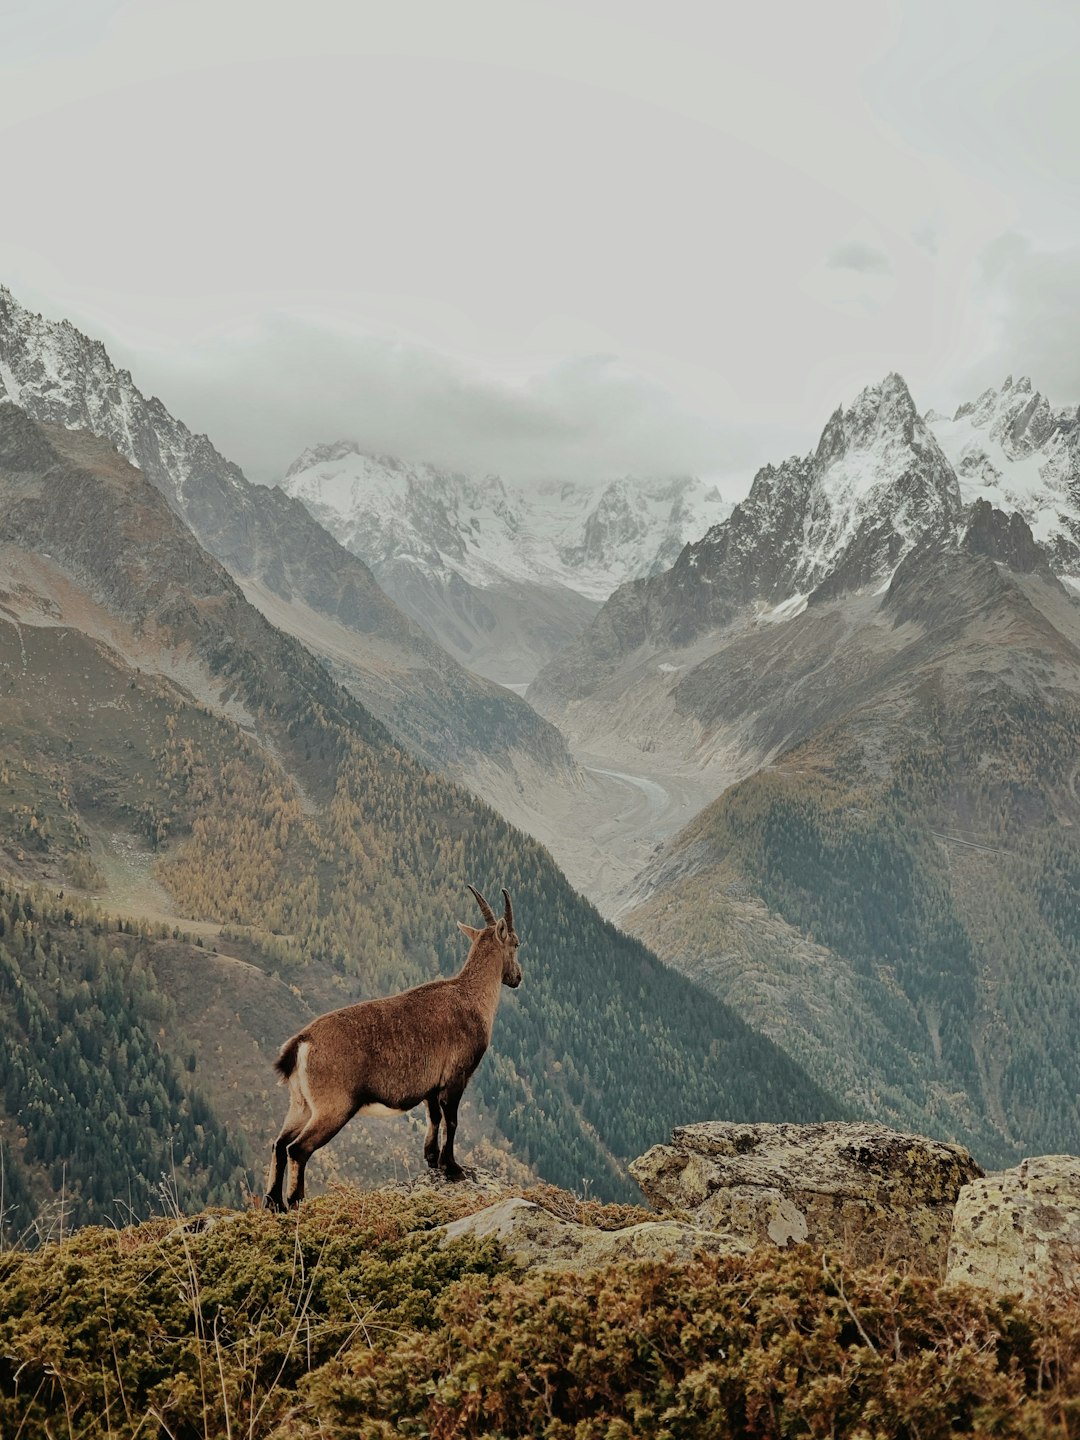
(485, 908)
(509, 917)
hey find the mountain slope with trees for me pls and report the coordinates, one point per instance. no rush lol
(97, 1112)
(894, 897)
(285, 562)
(143, 699)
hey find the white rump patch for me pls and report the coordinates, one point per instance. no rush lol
(300, 1073)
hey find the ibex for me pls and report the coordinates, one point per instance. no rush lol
(382, 1057)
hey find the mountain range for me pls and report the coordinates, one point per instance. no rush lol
(849, 711)
(502, 576)
(880, 669)
(286, 564)
(170, 756)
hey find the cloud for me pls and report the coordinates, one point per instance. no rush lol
(862, 258)
(1033, 296)
(266, 394)
(929, 232)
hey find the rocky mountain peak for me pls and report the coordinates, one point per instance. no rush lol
(841, 518)
(1010, 447)
(59, 375)
(1006, 538)
(879, 481)
(877, 412)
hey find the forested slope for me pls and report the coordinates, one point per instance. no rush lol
(916, 849)
(275, 802)
(98, 1107)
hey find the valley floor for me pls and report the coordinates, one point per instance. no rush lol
(605, 826)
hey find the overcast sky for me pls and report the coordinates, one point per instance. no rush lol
(546, 238)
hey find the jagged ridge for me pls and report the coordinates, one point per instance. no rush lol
(285, 561)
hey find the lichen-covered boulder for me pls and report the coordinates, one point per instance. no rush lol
(1018, 1231)
(874, 1193)
(536, 1239)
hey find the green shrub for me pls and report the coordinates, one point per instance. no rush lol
(349, 1319)
(777, 1345)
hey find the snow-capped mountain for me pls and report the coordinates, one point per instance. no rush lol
(502, 575)
(1011, 448)
(837, 519)
(57, 374)
(585, 537)
(288, 566)
(813, 554)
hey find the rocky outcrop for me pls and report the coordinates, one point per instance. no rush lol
(534, 1238)
(1007, 538)
(1018, 1231)
(876, 1194)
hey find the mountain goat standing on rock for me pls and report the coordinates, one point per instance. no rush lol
(382, 1057)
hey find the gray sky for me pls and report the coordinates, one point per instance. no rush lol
(548, 238)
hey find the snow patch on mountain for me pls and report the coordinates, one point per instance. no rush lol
(1012, 448)
(564, 534)
(786, 610)
(58, 374)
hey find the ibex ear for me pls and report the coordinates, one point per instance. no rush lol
(468, 931)
(501, 932)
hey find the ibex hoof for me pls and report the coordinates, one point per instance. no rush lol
(454, 1172)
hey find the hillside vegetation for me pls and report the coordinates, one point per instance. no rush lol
(352, 1318)
(97, 1107)
(939, 895)
(143, 700)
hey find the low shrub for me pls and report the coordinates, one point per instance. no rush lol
(349, 1319)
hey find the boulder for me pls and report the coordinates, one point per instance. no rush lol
(536, 1239)
(1018, 1231)
(474, 1180)
(870, 1192)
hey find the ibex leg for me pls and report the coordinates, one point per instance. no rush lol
(431, 1139)
(449, 1099)
(315, 1134)
(295, 1121)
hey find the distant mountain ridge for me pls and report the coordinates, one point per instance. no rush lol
(1011, 448)
(162, 744)
(287, 564)
(880, 482)
(588, 537)
(502, 575)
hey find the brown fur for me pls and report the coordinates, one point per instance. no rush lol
(421, 1045)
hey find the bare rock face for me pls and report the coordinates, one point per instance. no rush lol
(875, 1193)
(536, 1239)
(1018, 1231)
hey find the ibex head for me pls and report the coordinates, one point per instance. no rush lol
(502, 933)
